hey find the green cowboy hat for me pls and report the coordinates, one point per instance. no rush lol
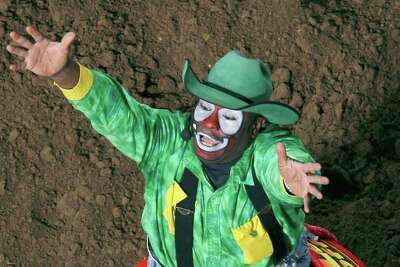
(240, 83)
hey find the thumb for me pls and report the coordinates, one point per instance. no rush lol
(68, 39)
(281, 151)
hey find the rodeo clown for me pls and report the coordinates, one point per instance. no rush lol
(221, 189)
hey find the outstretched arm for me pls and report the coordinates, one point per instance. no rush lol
(300, 178)
(137, 130)
(44, 57)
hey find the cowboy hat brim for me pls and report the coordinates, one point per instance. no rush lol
(274, 112)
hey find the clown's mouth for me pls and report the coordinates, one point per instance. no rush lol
(209, 144)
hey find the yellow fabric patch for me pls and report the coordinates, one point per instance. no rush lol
(253, 240)
(174, 195)
(80, 90)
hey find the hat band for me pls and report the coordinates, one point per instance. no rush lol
(228, 92)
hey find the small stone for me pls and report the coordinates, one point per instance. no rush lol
(140, 81)
(100, 200)
(363, 148)
(166, 84)
(357, 68)
(379, 41)
(311, 111)
(153, 89)
(206, 36)
(130, 49)
(2, 30)
(102, 21)
(128, 247)
(369, 178)
(2, 186)
(116, 212)
(304, 44)
(4, 5)
(100, 164)
(312, 21)
(128, 83)
(70, 138)
(369, 74)
(13, 135)
(339, 110)
(115, 161)
(106, 172)
(386, 210)
(281, 75)
(107, 59)
(68, 205)
(395, 34)
(30, 154)
(85, 193)
(124, 201)
(282, 91)
(46, 154)
(392, 169)
(297, 100)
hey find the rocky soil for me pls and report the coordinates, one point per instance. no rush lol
(67, 197)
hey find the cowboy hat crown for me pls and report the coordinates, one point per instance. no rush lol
(240, 83)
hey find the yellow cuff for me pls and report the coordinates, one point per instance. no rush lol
(81, 89)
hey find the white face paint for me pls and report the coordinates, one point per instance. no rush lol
(209, 144)
(203, 110)
(230, 120)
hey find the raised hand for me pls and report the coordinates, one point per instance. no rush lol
(299, 178)
(43, 57)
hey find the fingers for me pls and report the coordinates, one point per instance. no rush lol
(311, 167)
(68, 39)
(306, 204)
(282, 157)
(20, 40)
(314, 191)
(21, 52)
(36, 35)
(315, 179)
(18, 66)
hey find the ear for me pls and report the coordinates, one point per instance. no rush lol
(259, 124)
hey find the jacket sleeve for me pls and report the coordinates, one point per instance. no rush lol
(142, 133)
(266, 162)
(288, 209)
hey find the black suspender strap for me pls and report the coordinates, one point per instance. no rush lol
(184, 217)
(261, 203)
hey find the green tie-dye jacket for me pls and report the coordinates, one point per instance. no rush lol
(227, 231)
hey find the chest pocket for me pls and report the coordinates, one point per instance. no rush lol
(253, 240)
(173, 196)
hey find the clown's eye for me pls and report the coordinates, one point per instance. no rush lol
(230, 120)
(203, 110)
(204, 107)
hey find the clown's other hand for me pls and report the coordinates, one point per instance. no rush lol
(44, 57)
(299, 178)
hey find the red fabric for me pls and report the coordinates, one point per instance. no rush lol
(320, 232)
(142, 263)
(329, 238)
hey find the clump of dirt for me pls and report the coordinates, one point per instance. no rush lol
(69, 198)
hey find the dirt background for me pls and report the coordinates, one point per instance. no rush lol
(68, 198)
